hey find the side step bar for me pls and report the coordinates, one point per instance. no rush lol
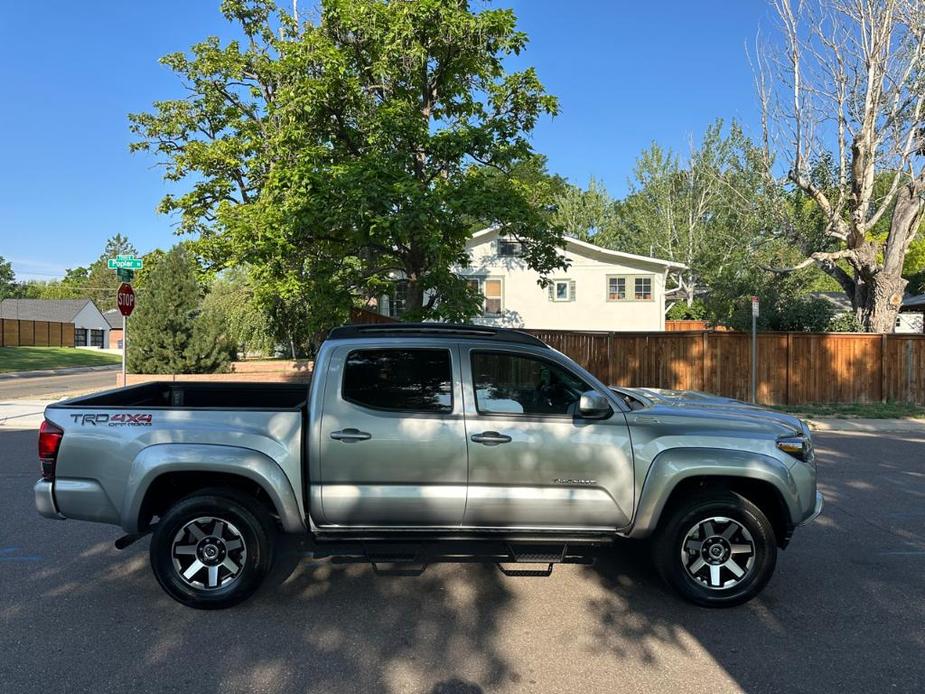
(412, 559)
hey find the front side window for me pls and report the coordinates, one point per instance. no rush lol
(513, 384)
(96, 338)
(399, 380)
(80, 337)
(616, 288)
(643, 288)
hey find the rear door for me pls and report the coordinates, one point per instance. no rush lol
(392, 439)
(534, 462)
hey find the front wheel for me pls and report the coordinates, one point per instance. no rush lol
(717, 550)
(212, 550)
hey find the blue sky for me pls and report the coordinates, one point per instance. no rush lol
(626, 73)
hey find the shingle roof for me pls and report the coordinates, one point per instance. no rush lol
(57, 310)
(114, 318)
(917, 301)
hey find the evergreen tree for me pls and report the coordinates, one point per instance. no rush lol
(166, 334)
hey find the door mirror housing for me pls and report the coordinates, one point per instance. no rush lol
(593, 405)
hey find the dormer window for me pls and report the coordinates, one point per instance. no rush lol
(509, 248)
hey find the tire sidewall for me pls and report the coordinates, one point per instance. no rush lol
(669, 543)
(254, 532)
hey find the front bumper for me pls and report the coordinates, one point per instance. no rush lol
(45, 500)
(820, 502)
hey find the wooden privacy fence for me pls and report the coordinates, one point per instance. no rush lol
(793, 368)
(36, 333)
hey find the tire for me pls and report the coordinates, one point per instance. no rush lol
(716, 550)
(227, 533)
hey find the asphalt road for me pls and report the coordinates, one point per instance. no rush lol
(845, 611)
(43, 386)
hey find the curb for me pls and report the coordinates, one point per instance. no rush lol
(907, 425)
(40, 373)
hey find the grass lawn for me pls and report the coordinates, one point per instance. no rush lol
(32, 358)
(871, 410)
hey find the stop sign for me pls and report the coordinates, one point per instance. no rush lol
(125, 298)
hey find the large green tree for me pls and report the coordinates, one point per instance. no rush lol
(338, 155)
(167, 333)
(7, 279)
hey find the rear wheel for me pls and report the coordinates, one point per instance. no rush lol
(717, 550)
(212, 550)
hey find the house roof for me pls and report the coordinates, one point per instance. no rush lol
(917, 301)
(114, 318)
(579, 245)
(55, 310)
(838, 300)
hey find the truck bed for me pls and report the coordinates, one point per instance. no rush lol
(196, 395)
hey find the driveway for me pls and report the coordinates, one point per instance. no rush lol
(845, 611)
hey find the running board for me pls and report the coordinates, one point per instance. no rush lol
(412, 559)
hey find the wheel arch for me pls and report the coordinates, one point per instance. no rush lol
(676, 474)
(163, 474)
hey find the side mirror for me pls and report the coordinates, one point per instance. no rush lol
(593, 405)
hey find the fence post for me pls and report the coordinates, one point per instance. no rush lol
(789, 368)
(703, 359)
(883, 386)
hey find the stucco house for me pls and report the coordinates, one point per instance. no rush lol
(601, 289)
(90, 327)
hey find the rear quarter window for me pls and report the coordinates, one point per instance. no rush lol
(399, 380)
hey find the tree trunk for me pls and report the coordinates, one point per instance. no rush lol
(884, 290)
(415, 300)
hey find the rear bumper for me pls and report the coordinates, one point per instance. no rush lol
(45, 500)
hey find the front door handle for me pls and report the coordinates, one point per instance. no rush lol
(490, 438)
(349, 435)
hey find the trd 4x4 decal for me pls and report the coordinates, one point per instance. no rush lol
(113, 420)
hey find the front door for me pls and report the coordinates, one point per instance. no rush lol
(393, 441)
(534, 462)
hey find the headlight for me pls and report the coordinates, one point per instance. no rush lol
(796, 446)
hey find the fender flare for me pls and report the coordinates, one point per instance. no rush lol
(673, 466)
(159, 459)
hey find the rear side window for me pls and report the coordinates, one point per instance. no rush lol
(399, 380)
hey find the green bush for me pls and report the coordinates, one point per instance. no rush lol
(845, 323)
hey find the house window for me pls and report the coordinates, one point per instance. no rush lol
(398, 301)
(508, 248)
(96, 338)
(492, 291)
(643, 289)
(562, 290)
(616, 288)
(493, 294)
(80, 337)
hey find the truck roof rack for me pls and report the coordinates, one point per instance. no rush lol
(458, 330)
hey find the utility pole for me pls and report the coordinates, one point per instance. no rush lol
(754, 349)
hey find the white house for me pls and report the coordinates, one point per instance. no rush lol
(90, 327)
(601, 289)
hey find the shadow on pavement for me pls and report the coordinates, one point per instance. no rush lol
(844, 611)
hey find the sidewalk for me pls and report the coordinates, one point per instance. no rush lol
(58, 372)
(22, 414)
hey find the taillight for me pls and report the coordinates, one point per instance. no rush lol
(49, 441)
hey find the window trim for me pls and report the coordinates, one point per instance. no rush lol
(531, 415)
(428, 413)
(629, 288)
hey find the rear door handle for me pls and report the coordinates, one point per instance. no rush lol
(490, 438)
(349, 435)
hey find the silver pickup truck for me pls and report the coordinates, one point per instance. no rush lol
(453, 440)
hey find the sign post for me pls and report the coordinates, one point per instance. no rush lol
(125, 299)
(754, 347)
